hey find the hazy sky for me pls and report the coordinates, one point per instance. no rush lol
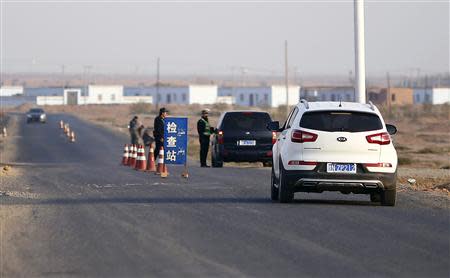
(215, 37)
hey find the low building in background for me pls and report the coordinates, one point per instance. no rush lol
(9, 91)
(320, 93)
(265, 96)
(391, 96)
(189, 94)
(431, 95)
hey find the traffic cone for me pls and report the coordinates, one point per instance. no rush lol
(125, 155)
(151, 160)
(141, 163)
(68, 132)
(72, 137)
(160, 167)
(133, 156)
(165, 172)
(61, 124)
(130, 155)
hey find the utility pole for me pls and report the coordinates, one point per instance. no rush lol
(360, 63)
(388, 93)
(157, 84)
(286, 76)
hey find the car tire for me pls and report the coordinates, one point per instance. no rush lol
(375, 197)
(388, 197)
(273, 188)
(215, 162)
(285, 193)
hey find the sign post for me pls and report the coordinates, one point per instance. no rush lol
(175, 142)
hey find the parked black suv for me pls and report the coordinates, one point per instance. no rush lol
(242, 136)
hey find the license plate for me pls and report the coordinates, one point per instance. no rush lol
(247, 142)
(341, 168)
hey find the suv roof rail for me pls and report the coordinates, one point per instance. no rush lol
(305, 102)
(371, 105)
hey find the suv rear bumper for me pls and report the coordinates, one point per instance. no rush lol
(361, 182)
(246, 156)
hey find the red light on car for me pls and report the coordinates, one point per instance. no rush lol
(379, 138)
(301, 162)
(269, 153)
(274, 137)
(220, 137)
(300, 136)
(380, 165)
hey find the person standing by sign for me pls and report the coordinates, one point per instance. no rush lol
(204, 134)
(158, 130)
(133, 127)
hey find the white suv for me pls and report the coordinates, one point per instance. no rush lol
(334, 146)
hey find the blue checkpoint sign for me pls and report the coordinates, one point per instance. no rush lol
(175, 140)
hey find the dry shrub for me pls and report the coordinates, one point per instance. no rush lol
(141, 108)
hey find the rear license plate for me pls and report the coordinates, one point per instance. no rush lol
(247, 143)
(341, 168)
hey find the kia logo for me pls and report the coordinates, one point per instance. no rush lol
(342, 139)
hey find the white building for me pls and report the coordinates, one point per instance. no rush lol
(431, 95)
(191, 94)
(328, 93)
(97, 94)
(8, 91)
(267, 96)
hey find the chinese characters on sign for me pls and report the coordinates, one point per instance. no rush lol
(175, 140)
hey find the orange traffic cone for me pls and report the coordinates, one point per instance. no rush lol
(72, 137)
(165, 172)
(151, 160)
(130, 155)
(134, 156)
(125, 155)
(141, 162)
(68, 132)
(160, 167)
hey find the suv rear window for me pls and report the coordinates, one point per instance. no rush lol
(348, 121)
(245, 121)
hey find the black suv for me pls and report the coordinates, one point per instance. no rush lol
(242, 136)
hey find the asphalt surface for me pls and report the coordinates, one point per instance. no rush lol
(90, 217)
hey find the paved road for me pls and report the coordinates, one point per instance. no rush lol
(88, 216)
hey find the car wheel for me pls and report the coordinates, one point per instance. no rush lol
(214, 161)
(267, 164)
(285, 193)
(388, 197)
(273, 188)
(375, 197)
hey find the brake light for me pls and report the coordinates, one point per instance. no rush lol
(381, 165)
(301, 162)
(220, 137)
(274, 137)
(379, 138)
(300, 136)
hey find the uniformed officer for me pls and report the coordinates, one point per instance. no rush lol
(204, 133)
(133, 127)
(158, 130)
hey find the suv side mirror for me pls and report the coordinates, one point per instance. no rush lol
(391, 129)
(274, 126)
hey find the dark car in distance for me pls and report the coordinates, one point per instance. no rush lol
(36, 115)
(242, 136)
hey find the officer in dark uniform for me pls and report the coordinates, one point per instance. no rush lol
(133, 127)
(158, 130)
(204, 132)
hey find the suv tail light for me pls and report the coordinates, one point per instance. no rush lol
(300, 136)
(220, 137)
(379, 138)
(274, 137)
